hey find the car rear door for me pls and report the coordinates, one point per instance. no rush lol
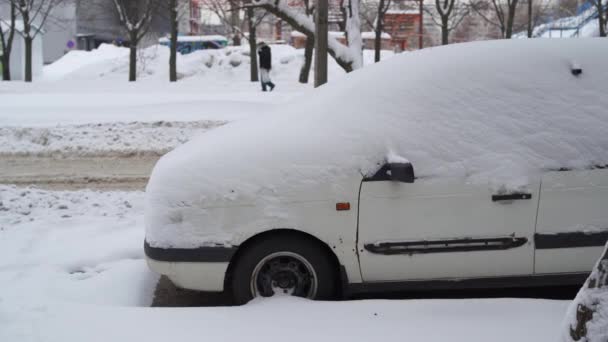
(572, 223)
(438, 229)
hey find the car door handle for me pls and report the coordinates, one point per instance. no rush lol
(511, 197)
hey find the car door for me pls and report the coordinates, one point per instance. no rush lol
(572, 223)
(440, 228)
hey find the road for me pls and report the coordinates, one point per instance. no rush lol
(102, 173)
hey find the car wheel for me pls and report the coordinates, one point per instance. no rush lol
(286, 266)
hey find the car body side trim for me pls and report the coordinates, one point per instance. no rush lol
(199, 254)
(571, 239)
(446, 245)
(471, 283)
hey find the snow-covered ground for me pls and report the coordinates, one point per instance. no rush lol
(582, 25)
(107, 139)
(61, 112)
(72, 269)
(71, 262)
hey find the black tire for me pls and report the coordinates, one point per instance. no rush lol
(306, 248)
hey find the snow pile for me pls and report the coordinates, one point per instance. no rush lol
(102, 139)
(111, 62)
(497, 120)
(70, 246)
(582, 25)
(20, 205)
(587, 316)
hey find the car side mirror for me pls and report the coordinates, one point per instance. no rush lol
(401, 172)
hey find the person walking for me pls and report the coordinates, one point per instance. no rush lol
(265, 66)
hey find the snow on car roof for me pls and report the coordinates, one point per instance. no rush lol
(496, 112)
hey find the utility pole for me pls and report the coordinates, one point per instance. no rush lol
(321, 43)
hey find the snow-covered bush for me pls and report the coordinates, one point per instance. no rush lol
(587, 316)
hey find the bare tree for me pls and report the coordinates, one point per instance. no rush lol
(602, 17)
(254, 19)
(373, 13)
(229, 12)
(6, 41)
(135, 17)
(33, 14)
(533, 14)
(449, 14)
(530, 27)
(309, 47)
(502, 13)
(348, 57)
(174, 22)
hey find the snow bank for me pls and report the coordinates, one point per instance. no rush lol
(476, 111)
(102, 139)
(110, 62)
(70, 246)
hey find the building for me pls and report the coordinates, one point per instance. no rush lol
(97, 22)
(18, 52)
(84, 25)
(369, 40)
(404, 28)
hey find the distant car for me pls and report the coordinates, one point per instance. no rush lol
(188, 44)
(467, 166)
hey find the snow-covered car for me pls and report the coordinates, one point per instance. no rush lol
(509, 143)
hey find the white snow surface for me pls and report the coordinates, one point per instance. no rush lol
(500, 120)
(84, 105)
(72, 269)
(101, 139)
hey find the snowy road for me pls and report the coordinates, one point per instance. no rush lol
(101, 173)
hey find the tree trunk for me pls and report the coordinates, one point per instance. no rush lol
(7, 43)
(308, 54)
(379, 28)
(602, 17)
(445, 30)
(321, 43)
(28, 58)
(510, 19)
(173, 45)
(6, 57)
(235, 21)
(530, 19)
(253, 70)
(291, 20)
(6, 67)
(133, 58)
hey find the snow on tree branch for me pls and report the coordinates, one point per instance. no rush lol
(348, 57)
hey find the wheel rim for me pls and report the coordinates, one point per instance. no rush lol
(284, 273)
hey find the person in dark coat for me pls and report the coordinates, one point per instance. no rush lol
(265, 66)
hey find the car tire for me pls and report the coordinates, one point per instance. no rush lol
(284, 260)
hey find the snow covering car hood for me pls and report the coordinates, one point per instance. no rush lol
(493, 112)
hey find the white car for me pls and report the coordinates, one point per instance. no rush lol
(509, 143)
